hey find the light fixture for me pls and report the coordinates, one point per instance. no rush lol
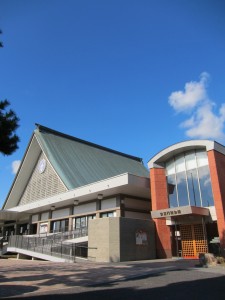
(76, 202)
(100, 196)
(52, 207)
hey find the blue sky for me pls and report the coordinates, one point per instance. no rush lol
(134, 76)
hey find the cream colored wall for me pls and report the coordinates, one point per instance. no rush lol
(114, 239)
(42, 185)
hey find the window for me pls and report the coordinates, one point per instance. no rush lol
(107, 214)
(82, 222)
(60, 225)
(188, 179)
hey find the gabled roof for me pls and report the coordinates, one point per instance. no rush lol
(79, 162)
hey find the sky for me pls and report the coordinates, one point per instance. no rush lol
(133, 75)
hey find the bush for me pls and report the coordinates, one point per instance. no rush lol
(220, 260)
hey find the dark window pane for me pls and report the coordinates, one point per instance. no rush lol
(62, 225)
(172, 191)
(193, 188)
(83, 222)
(77, 223)
(182, 189)
(206, 187)
(56, 226)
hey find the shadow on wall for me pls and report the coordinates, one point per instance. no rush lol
(163, 250)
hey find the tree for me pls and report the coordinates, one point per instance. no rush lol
(8, 125)
(1, 44)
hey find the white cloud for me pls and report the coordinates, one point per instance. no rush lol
(204, 122)
(15, 166)
(194, 93)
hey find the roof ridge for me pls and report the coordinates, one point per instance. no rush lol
(55, 132)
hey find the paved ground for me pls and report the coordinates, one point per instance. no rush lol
(161, 279)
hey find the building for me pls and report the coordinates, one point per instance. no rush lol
(96, 197)
(75, 198)
(188, 198)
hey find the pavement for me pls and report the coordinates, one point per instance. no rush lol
(24, 278)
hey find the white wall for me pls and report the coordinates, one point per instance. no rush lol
(34, 218)
(108, 203)
(60, 213)
(45, 216)
(85, 208)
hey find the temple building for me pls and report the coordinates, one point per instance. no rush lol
(72, 196)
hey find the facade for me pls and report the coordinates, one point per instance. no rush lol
(188, 199)
(72, 193)
(87, 192)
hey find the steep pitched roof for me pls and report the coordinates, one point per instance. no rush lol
(79, 162)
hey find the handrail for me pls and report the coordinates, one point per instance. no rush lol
(52, 244)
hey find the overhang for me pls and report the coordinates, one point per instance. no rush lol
(8, 215)
(179, 211)
(127, 184)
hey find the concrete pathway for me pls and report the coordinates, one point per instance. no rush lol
(19, 278)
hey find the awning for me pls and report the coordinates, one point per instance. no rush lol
(179, 211)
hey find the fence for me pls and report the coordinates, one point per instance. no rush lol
(52, 244)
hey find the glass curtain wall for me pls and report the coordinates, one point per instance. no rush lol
(189, 180)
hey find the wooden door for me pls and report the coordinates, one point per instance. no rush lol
(193, 240)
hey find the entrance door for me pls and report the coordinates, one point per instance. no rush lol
(193, 240)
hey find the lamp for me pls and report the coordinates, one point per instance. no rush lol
(100, 196)
(52, 207)
(76, 202)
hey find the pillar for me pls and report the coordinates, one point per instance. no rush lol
(217, 172)
(159, 196)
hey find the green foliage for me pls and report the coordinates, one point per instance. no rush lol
(8, 125)
(1, 44)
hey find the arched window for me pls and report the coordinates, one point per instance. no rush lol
(189, 180)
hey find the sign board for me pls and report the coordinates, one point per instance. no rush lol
(178, 211)
(141, 238)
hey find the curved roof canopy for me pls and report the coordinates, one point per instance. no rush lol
(160, 158)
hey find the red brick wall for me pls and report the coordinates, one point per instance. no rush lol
(217, 172)
(159, 198)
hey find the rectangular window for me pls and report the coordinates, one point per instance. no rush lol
(170, 167)
(193, 188)
(180, 164)
(182, 189)
(172, 191)
(107, 214)
(60, 225)
(190, 160)
(202, 158)
(206, 187)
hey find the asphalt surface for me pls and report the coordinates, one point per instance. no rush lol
(161, 279)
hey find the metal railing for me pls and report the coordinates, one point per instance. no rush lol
(64, 235)
(52, 244)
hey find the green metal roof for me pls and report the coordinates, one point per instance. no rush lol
(79, 162)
